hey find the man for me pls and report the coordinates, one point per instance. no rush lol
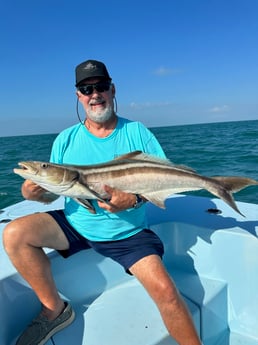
(101, 137)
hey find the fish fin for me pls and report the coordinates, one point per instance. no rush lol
(97, 195)
(164, 161)
(231, 184)
(158, 198)
(184, 167)
(235, 183)
(86, 203)
(222, 191)
(139, 155)
(129, 155)
(48, 197)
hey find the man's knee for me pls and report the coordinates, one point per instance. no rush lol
(164, 292)
(12, 236)
(167, 293)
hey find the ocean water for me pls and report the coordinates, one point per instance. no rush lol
(228, 148)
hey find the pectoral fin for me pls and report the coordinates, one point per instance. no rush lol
(87, 204)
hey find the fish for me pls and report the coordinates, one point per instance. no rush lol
(155, 179)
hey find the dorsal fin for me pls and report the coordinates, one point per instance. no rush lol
(139, 155)
(129, 155)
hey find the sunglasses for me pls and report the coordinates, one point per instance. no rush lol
(87, 90)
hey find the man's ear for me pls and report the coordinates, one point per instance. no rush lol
(113, 90)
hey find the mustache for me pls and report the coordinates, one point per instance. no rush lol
(96, 101)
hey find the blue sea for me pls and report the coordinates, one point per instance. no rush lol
(226, 148)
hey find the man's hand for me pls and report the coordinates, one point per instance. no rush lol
(119, 200)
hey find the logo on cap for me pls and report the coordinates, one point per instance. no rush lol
(90, 67)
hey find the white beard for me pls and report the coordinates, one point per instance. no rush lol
(101, 115)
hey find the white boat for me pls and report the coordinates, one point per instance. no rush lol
(211, 255)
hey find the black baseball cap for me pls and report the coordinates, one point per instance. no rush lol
(90, 69)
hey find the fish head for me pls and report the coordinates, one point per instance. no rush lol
(46, 174)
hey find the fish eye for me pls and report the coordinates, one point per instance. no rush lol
(44, 165)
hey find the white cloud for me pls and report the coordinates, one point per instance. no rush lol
(220, 109)
(164, 71)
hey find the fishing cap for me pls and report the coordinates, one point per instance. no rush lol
(90, 69)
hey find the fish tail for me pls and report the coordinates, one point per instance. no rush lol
(235, 183)
(226, 195)
(226, 185)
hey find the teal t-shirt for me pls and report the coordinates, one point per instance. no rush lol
(76, 145)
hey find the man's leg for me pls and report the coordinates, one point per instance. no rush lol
(151, 273)
(24, 239)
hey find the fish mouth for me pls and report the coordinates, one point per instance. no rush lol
(24, 167)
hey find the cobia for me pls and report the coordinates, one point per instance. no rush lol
(153, 178)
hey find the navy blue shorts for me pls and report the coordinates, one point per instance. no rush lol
(126, 252)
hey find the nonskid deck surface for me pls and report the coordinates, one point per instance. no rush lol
(124, 314)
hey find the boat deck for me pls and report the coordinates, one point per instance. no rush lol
(213, 259)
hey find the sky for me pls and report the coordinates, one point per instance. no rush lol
(173, 62)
